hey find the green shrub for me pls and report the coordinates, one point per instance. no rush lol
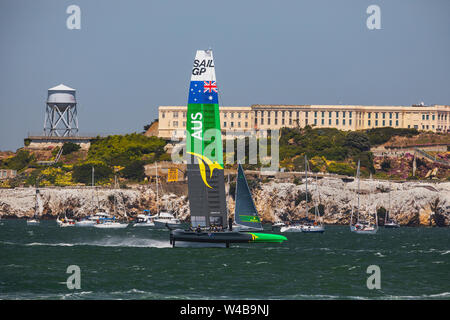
(70, 147)
(341, 168)
(83, 173)
(134, 171)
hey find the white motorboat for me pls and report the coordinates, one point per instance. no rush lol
(278, 225)
(291, 228)
(33, 222)
(111, 224)
(90, 221)
(144, 220)
(307, 228)
(165, 219)
(64, 222)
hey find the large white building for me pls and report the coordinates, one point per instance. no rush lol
(436, 118)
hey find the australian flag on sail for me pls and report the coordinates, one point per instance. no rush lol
(204, 92)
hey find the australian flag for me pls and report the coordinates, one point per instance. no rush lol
(204, 92)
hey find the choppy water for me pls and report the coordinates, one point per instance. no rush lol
(139, 263)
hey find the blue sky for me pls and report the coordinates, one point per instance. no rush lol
(129, 57)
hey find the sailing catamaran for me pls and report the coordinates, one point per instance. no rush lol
(204, 156)
(37, 209)
(389, 222)
(362, 226)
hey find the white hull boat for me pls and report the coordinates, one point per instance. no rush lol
(111, 225)
(313, 229)
(33, 222)
(294, 228)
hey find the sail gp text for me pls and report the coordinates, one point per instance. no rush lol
(226, 309)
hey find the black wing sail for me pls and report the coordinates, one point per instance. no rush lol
(245, 212)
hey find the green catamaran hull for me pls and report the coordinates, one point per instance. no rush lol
(226, 237)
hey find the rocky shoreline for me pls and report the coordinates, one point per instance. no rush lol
(412, 203)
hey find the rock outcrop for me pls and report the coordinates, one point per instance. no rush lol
(412, 203)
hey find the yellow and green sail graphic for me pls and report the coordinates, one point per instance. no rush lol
(204, 145)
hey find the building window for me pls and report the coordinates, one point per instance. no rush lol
(337, 114)
(329, 115)
(323, 121)
(163, 115)
(306, 121)
(350, 121)
(262, 120)
(343, 122)
(290, 121)
(298, 114)
(276, 121)
(396, 115)
(323, 114)
(239, 124)
(337, 121)
(175, 114)
(282, 121)
(224, 114)
(432, 117)
(306, 114)
(423, 117)
(232, 114)
(368, 122)
(390, 123)
(315, 121)
(246, 124)
(384, 123)
(329, 122)
(268, 120)
(390, 115)
(184, 123)
(368, 115)
(350, 114)
(239, 115)
(384, 115)
(175, 123)
(184, 114)
(224, 124)
(343, 114)
(376, 123)
(428, 117)
(232, 124)
(396, 123)
(315, 114)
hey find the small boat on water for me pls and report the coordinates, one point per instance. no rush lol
(38, 208)
(315, 226)
(166, 219)
(65, 222)
(362, 226)
(112, 223)
(276, 226)
(390, 223)
(144, 220)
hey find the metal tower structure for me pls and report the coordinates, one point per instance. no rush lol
(61, 112)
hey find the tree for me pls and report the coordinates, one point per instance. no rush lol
(83, 173)
(357, 140)
(70, 147)
(134, 171)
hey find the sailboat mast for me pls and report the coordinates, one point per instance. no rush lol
(157, 194)
(306, 177)
(357, 173)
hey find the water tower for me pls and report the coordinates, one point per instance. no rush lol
(61, 112)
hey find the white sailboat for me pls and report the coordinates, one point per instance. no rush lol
(92, 220)
(37, 210)
(147, 220)
(164, 219)
(362, 226)
(112, 223)
(317, 225)
(390, 223)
